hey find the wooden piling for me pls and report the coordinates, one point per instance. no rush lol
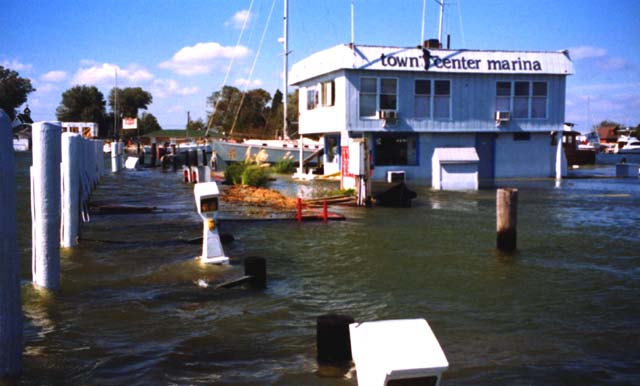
(506, 219)
(333, 340)
(10, 302)
(256, 267)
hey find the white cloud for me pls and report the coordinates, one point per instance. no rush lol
(239, 19)
(162, 88)
(241, 82)
(585, 52)
(613, 64)
(54, 76)
(104, 73)
(16, 65)
(201, 58)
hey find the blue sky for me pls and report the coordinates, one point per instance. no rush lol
(180, 50)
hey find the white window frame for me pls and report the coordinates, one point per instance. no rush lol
(432, 99)
(328, 93)
(378, 95)
(530, 97)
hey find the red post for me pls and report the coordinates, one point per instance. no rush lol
(299, 211)
(325, 212)
(185, 176)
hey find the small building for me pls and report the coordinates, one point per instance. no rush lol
(407, 102)
(455, 168)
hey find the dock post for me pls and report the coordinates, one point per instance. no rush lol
(299, 209)
(153, 153)
(257, 268)
(325, 212)
(506, 219)
(114, 157)
(10, 301)
(332, 339)
(45, 205)
(70, 170)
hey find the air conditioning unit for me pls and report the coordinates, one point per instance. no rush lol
(388, 114)
(503, 116)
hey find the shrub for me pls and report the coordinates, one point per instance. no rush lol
(284, 166)
(233, 173)
(254, 175)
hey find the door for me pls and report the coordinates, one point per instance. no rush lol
(486, 149)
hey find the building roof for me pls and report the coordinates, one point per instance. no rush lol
(456, 154)
(342, 57)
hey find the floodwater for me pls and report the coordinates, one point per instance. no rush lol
(564, 310)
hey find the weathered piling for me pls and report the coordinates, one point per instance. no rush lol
(332, 339)
(506, 219)
(10, 302)
(45, 205)
(70, 170)
(153, 153)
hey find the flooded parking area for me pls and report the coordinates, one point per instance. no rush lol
(565, 309)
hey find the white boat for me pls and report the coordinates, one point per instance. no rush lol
(632, 146)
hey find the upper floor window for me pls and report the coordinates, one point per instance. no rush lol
(312, 98)
(523, 98)
(328, 93)
(432, 96)
(377, 94)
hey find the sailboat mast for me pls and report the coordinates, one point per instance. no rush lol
(286, 70)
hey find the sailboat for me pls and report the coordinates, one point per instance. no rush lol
(279, 148)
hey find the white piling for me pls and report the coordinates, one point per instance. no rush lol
(10, 302)
(558, 158)
(70, 170)
(45, 201)
(114, 157)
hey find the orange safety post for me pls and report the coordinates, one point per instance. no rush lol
(299, 211)
(325, 212)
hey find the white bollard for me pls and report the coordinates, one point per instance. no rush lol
(114, 157)
(10, 302)
(45, 205)
(70, 170)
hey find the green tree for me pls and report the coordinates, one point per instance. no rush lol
(130, 100)
(148, 123)
(82, 104)
(197, 125)
(13, 91)
(274, 117)
(243, 114)
(292, 114)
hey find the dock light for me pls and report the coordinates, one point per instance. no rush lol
(206, 195)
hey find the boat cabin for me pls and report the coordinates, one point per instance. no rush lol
(408, 102)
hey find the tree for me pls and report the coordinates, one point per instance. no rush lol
(148, 123)
(130, 100)
(292, 113)
(82, 104)
(248, 119)
(274, 120)
(197, 125)
(13, 91)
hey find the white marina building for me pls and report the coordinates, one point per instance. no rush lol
(507, 106)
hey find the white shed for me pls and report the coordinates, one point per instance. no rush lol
(454, 168)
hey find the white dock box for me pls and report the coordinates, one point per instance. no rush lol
(396, 176)
(455, 168)
(396, 352)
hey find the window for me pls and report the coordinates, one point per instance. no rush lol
(332, 146)
(422, 101)
(395, 149)
(539, 100)
(503, 96)
(432, 99)
(522, 136)
(368, 94)
(524, 99)
(312, 98)
(388, 94)
(377, 94)
(328, 93)
(442, 99)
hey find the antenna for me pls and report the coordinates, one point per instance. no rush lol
(441, 2)
(424, 10)
(353, 33)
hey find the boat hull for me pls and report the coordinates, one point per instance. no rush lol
(235, 152)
